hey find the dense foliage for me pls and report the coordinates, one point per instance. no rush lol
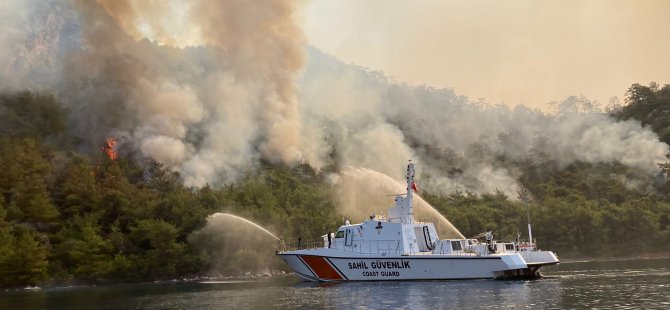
(649, 105)
(66, 216)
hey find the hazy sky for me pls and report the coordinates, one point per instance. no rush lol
(507, 51)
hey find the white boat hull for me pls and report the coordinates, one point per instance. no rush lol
(412, 267)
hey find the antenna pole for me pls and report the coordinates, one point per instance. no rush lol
(530, 232)
(410, 193)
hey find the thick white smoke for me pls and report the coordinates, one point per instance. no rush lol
(205, 87)
(33, 34)
(210, 88)
(368, 120)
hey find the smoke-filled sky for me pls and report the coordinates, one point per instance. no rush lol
(514, 52)
(212, 88)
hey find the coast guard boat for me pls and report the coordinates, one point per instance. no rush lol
(400, 248)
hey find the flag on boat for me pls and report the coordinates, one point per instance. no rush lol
(414, 188)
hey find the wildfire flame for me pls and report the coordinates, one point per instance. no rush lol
(108, 148)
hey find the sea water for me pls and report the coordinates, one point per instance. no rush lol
(601, 284)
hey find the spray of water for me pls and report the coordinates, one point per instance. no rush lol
(362, 192)
(241, 219)
(425, 209)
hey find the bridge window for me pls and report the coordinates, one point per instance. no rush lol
(456, 246)
(339, 234)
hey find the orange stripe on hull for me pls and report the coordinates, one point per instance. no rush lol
(321, 267)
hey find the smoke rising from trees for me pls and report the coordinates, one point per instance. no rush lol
(211, 88)
(368, 120)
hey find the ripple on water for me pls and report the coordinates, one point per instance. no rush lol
(640, 284)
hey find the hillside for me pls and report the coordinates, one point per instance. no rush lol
(68, 216)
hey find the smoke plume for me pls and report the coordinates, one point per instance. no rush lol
(211, 88)
(368, 120)
(205, 87)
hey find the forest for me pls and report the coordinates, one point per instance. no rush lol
(74, 216)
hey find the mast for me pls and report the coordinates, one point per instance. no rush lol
(530, 232)
(409, 208)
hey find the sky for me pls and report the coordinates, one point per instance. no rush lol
(511, 52)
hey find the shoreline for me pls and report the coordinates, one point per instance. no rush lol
(213, 278)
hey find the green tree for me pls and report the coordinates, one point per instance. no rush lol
(82, 251)
(23, 181)
(25, 260)
(77, 193)
(33, 199)
(157, 248)
(31, 114)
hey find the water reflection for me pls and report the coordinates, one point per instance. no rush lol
(605, 285)
(480, 294)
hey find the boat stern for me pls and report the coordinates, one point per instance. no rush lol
(533, 260)
(514, 261)
(541, 258)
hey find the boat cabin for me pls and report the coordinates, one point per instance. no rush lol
(381, 236)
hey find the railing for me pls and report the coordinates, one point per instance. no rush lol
(303, 245)
(382, 247)
(387, 247)
(459, 252)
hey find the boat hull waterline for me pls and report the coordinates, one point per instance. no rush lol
(428, 267)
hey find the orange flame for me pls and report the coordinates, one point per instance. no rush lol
(108, 148)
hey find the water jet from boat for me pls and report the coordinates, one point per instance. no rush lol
(362, 192)
(241, 219)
